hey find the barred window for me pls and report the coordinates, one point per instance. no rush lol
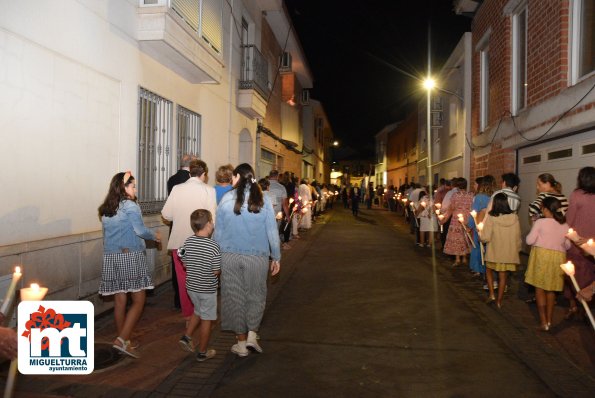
(154, 149)
(188, 133)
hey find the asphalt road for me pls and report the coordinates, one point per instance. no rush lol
(364, 315)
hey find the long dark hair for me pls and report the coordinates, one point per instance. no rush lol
(247, 181)
(555, 207)
(115, 194)
(586, 179)
(500, 205)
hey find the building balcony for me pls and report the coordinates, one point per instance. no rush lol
(168, 37)
(253, 88)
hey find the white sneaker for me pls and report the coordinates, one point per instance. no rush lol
(240, 350)
(252, 342)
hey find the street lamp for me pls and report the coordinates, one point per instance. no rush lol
(335, 143)
(429, 84)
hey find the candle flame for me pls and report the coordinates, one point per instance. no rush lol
(17, 269)
(438, 205)
(35, 286)
(590, 242)
(480, 226)
(568, 268)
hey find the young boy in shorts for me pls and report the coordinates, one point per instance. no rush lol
(202, 259)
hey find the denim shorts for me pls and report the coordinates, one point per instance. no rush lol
(205, 305)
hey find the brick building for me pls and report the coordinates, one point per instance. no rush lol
(533, 90)
(401, 152)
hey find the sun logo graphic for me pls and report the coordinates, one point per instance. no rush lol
(56, 337)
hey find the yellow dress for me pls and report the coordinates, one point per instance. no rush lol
(543, 270)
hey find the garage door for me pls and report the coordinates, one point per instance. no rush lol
(562, 158)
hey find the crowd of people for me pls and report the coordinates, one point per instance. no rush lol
(479, 228)
(227, 236)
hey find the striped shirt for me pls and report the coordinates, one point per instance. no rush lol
(514, 200)
(535, 206)
(202, 258)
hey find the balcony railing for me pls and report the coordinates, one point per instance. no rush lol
(255, 71)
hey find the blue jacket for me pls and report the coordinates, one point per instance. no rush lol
(248, 233)
(125, 229)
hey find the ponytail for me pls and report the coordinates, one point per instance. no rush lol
(555, 207)
(548, 178)
(247, 182)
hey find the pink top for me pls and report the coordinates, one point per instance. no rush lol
(548, 233)
(581, 213)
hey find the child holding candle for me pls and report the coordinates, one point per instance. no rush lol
(549, 251)
(502, 231)
(428, 224)
(124, 263)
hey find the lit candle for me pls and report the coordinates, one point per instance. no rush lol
(279, 215)
(572, 235)
(441, 218)
(33, 293)
(480, 226)
(290, 200)
(437, 212)
(16, 276)
(474, 215)
(299, 198)
(304, 210)
(438, 205)
(568, 268)
(423, 204)
(589, 247)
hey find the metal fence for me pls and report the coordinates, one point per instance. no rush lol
(255, 71)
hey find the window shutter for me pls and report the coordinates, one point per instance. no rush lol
(188, 10)
(210, 22)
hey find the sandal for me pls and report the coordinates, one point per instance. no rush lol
(125, 348)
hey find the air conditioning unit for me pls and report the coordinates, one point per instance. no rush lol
(285, 61)
(305, 97)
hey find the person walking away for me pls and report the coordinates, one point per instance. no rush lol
(223, 181)
(181, 176)
(305, 193)
(202, 258)
(280, 203)
(355, 198)
(247, 235)
(124, 267)
(548, 238)
(547, 186)
(481, 199)
(502, 233)
(184, 199)
(510, 187)
(581, 217)
(456, 242)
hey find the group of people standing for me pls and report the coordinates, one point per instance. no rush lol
(227, 235)
(480, 228)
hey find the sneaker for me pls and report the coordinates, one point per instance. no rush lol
(203, 356)
(239, 351)
(186, 343)
(495, 285)
(251, 342)
(485, 286)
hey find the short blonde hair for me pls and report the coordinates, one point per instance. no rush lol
(224, 174)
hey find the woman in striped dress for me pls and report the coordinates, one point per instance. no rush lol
(547, 186)
(124, 263)
(247, 234)
(456, 242)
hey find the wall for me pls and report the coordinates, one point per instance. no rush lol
(401, 151)
(69, 78)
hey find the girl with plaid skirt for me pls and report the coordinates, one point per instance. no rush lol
(124, 263)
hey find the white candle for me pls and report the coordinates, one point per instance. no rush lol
(290, 200)
(480, 226)
(437, 211)
(572, 235)
(33, 293)
(16, 276)
(423, 204)
(474, 215)
(279, 215)
(568, 268)
(438, 205)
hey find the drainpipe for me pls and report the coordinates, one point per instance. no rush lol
(230, 82)
(257, 148)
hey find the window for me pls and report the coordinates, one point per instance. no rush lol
(519, 59)
(484, 88)
(561, 154)
(204, 17)
(154, 149)
(532, 159)
(582, 39)
(267, 156)
(188, 133)
(453, 118)
(589, 148)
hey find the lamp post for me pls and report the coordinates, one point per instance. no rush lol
(429, 84)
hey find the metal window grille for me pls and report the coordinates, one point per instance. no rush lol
(154, 149)
(188, 133)
(254, 73)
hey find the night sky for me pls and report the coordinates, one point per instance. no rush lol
(364, 56)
